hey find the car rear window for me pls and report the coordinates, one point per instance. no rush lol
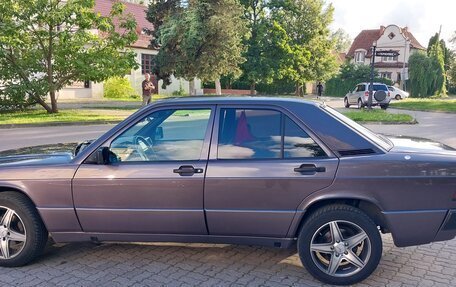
(376, 138)
(380, 88)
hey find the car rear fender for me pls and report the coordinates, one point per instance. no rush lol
(315, 201)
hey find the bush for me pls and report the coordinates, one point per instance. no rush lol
(349, 76)
(118, 88)
(14, 98)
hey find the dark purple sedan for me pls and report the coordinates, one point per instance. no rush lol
(246, 170)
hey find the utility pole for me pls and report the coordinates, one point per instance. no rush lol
(406, 47)
(371, 86)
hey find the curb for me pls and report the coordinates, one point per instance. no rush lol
(414, 122)
(426, 111)
(56, 124)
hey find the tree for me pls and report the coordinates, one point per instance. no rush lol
(306, 24)
(419, 75)
(341, 39)
(46, 45)
(202, 39)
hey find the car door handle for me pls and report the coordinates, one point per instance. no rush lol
(187, 170)
(309, 168)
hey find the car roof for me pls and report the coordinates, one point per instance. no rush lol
(375, 83)
(228, 99)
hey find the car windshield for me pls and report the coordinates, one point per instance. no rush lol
(378, 139)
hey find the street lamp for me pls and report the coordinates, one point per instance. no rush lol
(371, 86)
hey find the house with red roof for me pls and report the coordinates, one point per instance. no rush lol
(391, 37)
(144, 57)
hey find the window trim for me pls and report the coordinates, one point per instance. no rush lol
(206, 141)
(213, 154)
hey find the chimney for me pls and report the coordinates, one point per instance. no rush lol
(382, 29)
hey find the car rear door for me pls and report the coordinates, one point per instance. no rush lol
(157, 186)
(262, 165)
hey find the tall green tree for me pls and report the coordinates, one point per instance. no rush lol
(306, 23)
(341, 39)
(201, 39)
(419, 75)
(46, 45)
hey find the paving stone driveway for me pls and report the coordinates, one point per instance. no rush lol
(86, 264)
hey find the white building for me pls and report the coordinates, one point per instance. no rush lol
(144, 56)
(391, 37)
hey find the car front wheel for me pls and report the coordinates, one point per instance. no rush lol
(22, 233)
(340, 245)
(346, 103)
(398, 97)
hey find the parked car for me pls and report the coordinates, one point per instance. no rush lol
(397, 93)
(241, 170)
(360, 96)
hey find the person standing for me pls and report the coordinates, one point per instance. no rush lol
(319, 90)
(147, 89)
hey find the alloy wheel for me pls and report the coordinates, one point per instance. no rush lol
(13, 235)
(340, 248)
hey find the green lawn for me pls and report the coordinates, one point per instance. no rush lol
(365, 116)
(64, 116)
(94, 115)
(434, 105)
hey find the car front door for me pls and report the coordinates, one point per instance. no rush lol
(262, 165)
(156, 185)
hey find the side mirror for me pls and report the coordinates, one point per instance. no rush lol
(102, 156)
(158, 133)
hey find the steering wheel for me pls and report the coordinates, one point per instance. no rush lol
(143, 146)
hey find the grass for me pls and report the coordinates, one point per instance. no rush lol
(366, 116)
(64, 116)
(431, 105)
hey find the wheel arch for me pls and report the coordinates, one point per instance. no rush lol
(11, 188)
(369, 207)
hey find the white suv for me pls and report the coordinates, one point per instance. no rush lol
(360, 96)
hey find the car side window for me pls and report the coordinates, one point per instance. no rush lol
(163, 136)
(391, 89)
(262, 134)
(248, 133)
(360, 88)
(297, 143)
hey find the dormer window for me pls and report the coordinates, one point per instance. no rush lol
(359, 56)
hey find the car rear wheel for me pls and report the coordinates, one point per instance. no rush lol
(398, 97)
(360, 104)
(23, 235)
(340, 245)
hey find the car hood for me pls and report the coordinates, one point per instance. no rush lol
(420, 145)
(53, 154)
(36, 159)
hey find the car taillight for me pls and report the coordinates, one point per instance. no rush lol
(366, 94)
(389, 94)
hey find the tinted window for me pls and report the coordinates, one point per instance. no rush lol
(164, 135)
(297, 143)
(380, 88)
(247, 133)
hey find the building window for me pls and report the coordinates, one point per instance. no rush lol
(359, 57)
(386, 75)
(389, 59)
(391, 35)
(146, 63)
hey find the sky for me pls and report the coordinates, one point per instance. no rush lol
(422, 17)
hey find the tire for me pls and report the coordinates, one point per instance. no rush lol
(384, 107)
(22, 222)
(360, 241)
(360, 104)
(398, 97)
(346, 103)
